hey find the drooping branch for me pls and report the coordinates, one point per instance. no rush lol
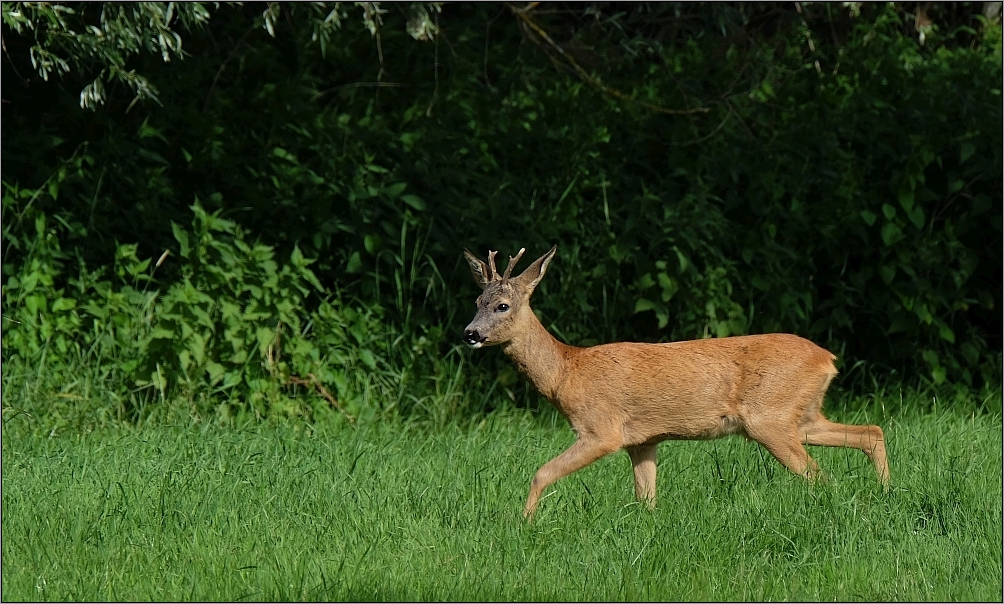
(524, 16)
(316, 383)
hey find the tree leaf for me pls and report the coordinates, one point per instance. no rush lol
(414, 201)
(643, 304)
(394, 191)
(891, 234)
(63, 304)
(181, 236)
(367, 358)
(966, 151)
(354, 264)
(905, 199)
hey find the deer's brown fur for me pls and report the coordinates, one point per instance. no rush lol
(632, 396)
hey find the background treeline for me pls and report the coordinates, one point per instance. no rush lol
(314, 171)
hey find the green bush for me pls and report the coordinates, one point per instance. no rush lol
(235, 332)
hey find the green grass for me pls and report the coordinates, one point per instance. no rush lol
(401, 512)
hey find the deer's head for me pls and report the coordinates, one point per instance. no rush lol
(504, 301)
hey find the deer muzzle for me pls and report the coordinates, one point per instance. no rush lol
(473, 339)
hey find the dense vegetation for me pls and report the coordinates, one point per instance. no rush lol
(236, 206)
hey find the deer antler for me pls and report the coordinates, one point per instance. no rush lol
(512, 263)
(494, 276)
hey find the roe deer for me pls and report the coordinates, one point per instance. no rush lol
(632, 396)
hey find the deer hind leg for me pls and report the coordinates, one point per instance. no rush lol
(779, 435)
(786, 447)
(576, 457)
(643, 461)
(869, 439)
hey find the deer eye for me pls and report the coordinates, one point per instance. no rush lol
(502, 308)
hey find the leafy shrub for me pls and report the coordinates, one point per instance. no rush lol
(232, 332)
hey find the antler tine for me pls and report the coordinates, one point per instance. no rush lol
(491, 264)
(512, 263)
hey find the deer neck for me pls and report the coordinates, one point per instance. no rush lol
(539, 356)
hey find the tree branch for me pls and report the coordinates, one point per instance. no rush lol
(316, 383)
(523, 15)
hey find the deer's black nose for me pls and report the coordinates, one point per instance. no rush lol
(473, 338)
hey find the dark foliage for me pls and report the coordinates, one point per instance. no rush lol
(705, 169)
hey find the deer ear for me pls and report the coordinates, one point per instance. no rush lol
(479, 270)
(529, 278)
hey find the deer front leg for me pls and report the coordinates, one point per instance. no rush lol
(643, 461)
(578, 456)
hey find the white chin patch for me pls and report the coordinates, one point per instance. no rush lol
(477, 345)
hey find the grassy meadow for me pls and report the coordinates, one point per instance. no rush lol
(399, 511)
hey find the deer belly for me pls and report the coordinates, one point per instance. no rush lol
(672, 422)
